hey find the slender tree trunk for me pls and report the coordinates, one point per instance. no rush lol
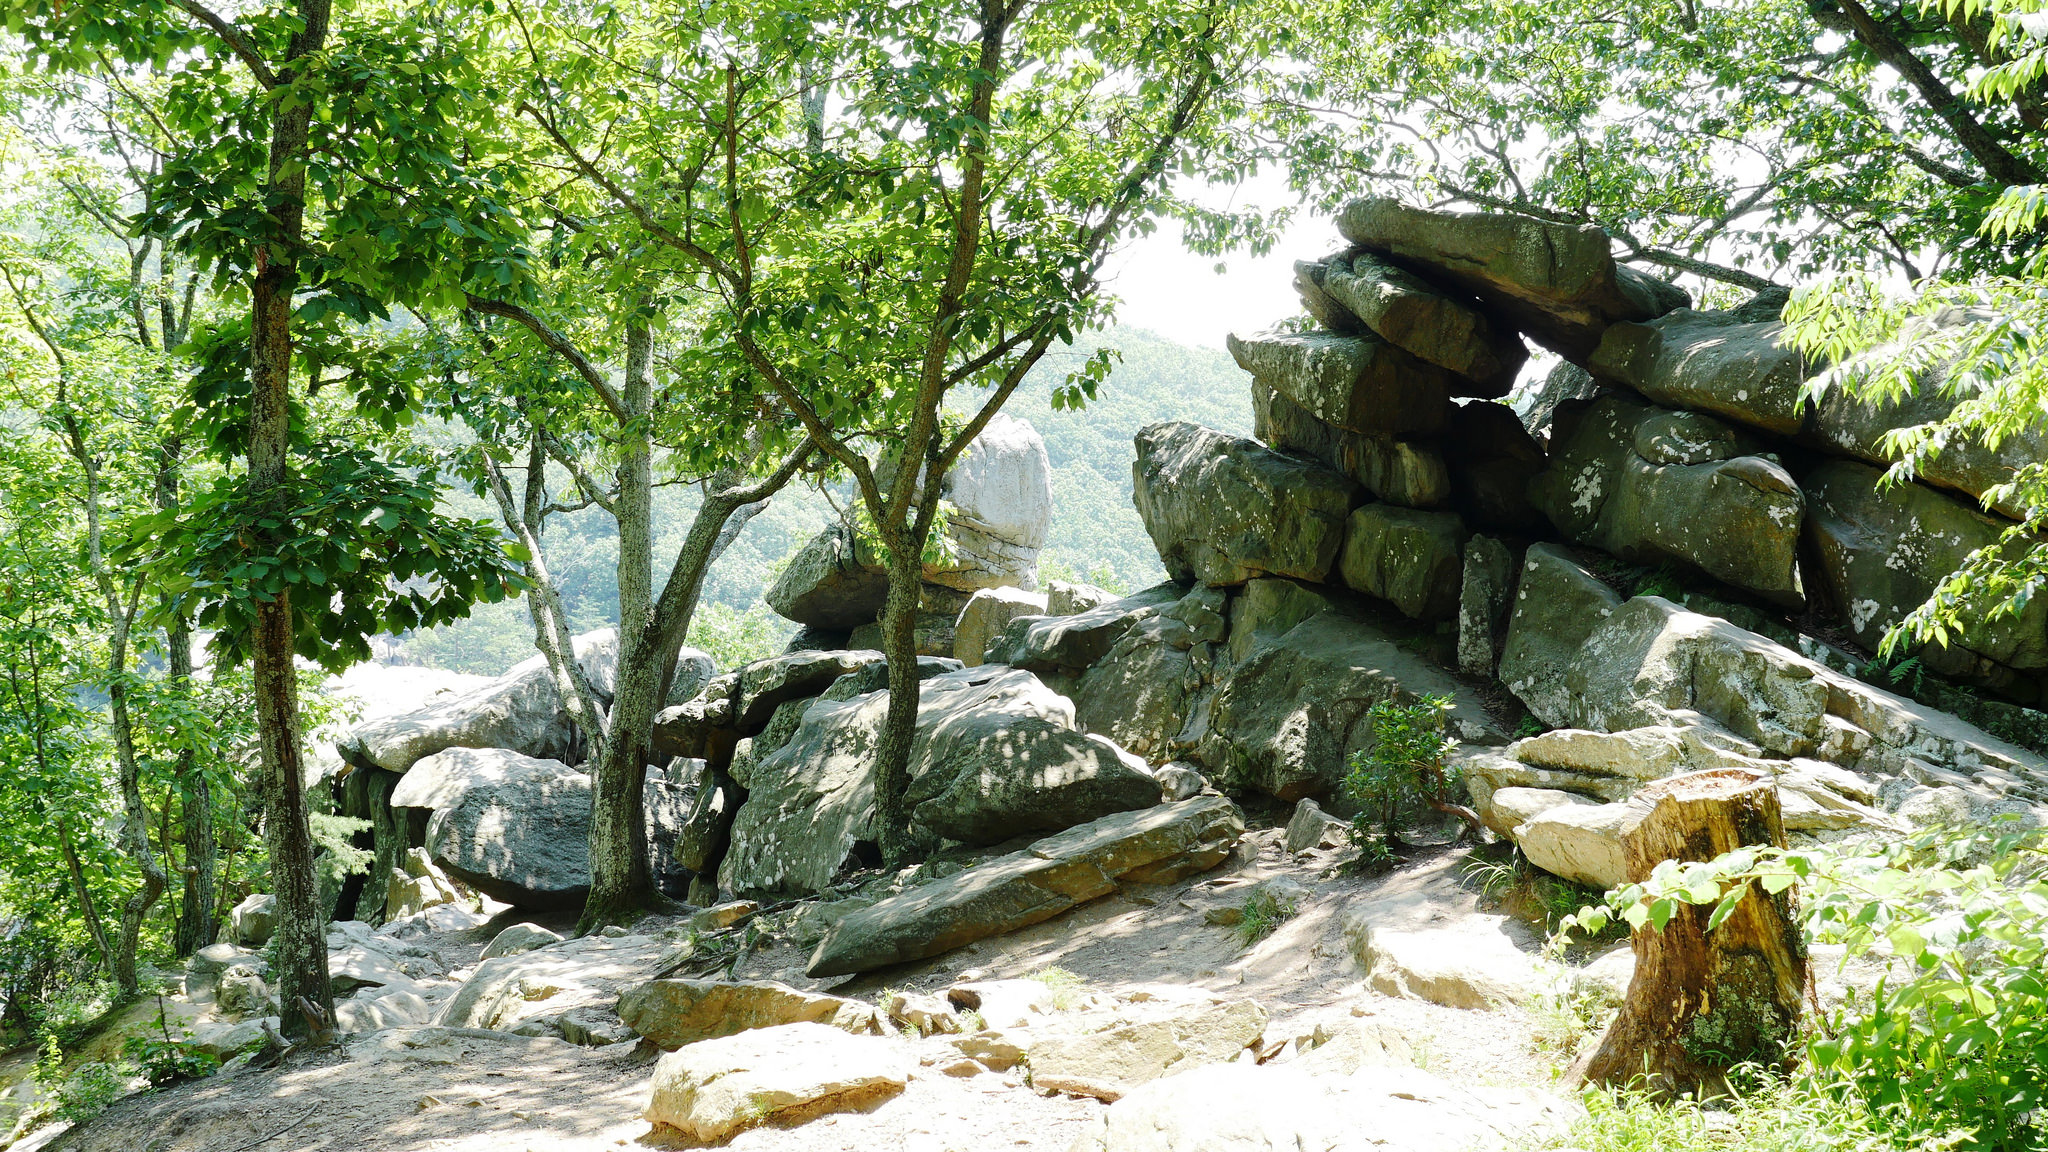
(300, 942)
(94, 926)
(899, 727)
(195, 794)
(135, 817)
(621, 885)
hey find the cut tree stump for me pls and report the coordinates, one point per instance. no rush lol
(1703, 1002)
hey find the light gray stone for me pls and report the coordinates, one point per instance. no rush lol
(1066, 598)
(519, 938)
(712, 1090)
(988, 612)
(1486, 584)
(251, 922)
(1310, 828)
(1076, 643)
(1411, 473)
(673, 1013)
(1557, 604)
(1000, 497)
(1144, 1043)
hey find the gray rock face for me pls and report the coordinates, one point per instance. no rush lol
(1077, 642)
(1404, 556)
(1001, 496)
(986, 615)
(1485, 585)
(1883, 550)
(1140, 694)
(1433, 325)
(1556, 283)
(520, 710)
(1065, 598)
(516, 827)
(253, 920)
(1155, 846)
(709, 1091)
(519, 938)
(1567, 381)
(830, 584)
(1406, 472)
(1223, 509)
(1308, 282)
(1557, 604)
(1286, 720)
(1705, 362)
(1144, 1043)
(1357, 383)
(997, 754)
(1657, 487)
(1268, 608)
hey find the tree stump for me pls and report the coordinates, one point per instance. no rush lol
(1703, 1002)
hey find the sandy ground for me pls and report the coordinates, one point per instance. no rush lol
(410, 1090)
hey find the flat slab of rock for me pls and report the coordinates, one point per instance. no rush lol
(592, 971)
(829, 583)
(1704, 362)
(1358, 383)
(988, 612)
(1148, 1042)
(1222, 509)
(1254, 1108)
(1556, 283)
(1473, 965)
(672, 1013)
(713, 1089)
(1157, 845)
(1410, 558)
(1074, 642)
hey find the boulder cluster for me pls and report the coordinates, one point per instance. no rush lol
(1395, 530)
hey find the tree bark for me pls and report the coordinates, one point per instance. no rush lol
(300, 942)
(899, 726)
(1705, 1001)
(195, 928)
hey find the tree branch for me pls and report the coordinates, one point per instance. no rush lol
(236, 40)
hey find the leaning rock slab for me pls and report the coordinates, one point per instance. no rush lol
(1222, 509)
(1076, 642)
(829, 583)
(711, 1090)
(673, 1013)
(1557, 283)
(508, 991)
(1557, 604)
(1426, 322)
(1704, 362)
(987, 613)
(1158, 845)
(1580, 842)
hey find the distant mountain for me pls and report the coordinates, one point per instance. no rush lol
(1096, 534)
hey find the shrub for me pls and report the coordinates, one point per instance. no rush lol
(1263, 911)
(1402, 768)
(1954, 1051)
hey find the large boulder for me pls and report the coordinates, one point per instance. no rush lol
(1556, 606)
(712, 1090)
(1427, 322)
(997, 754)
(520, 710)
(531, 990)
(1156, 846)
(1407, 557)
(1406, 472)
(987, 613)
(1656, 486)
(1286, 720)
(1566, 381)
(1000, 497)
(1556, 283)
(252, 921)
(1141, 692)
(1268, 608)
(830, 583)
(1222, 509)
(672, 1013)
(1883, 549)
(517, 828)
(1357, 383)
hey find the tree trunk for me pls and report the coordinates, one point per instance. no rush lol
(1702, 1002)
(300, 943)
(195, 928)
(899, 727)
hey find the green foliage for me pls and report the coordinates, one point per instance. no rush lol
(164, 1060)
(1766, 1117)
(1263, 911)
(734, 639)
(1402, 767)
(1066, 986)
(79, 1093)
(1956, 1038)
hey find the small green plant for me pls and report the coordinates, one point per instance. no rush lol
(1404, 766)
(77, 1095)
(1528, 726)
(1263, 911)
(1765, 1116)
(1908, 675)
(164, 1059)
(1660, 581)
(1065, 985)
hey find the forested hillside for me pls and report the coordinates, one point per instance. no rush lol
(1096, 535)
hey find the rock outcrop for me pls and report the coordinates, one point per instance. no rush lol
(1222, 509)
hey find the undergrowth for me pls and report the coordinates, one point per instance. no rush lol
(1263, 911)
(1768, 1117)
